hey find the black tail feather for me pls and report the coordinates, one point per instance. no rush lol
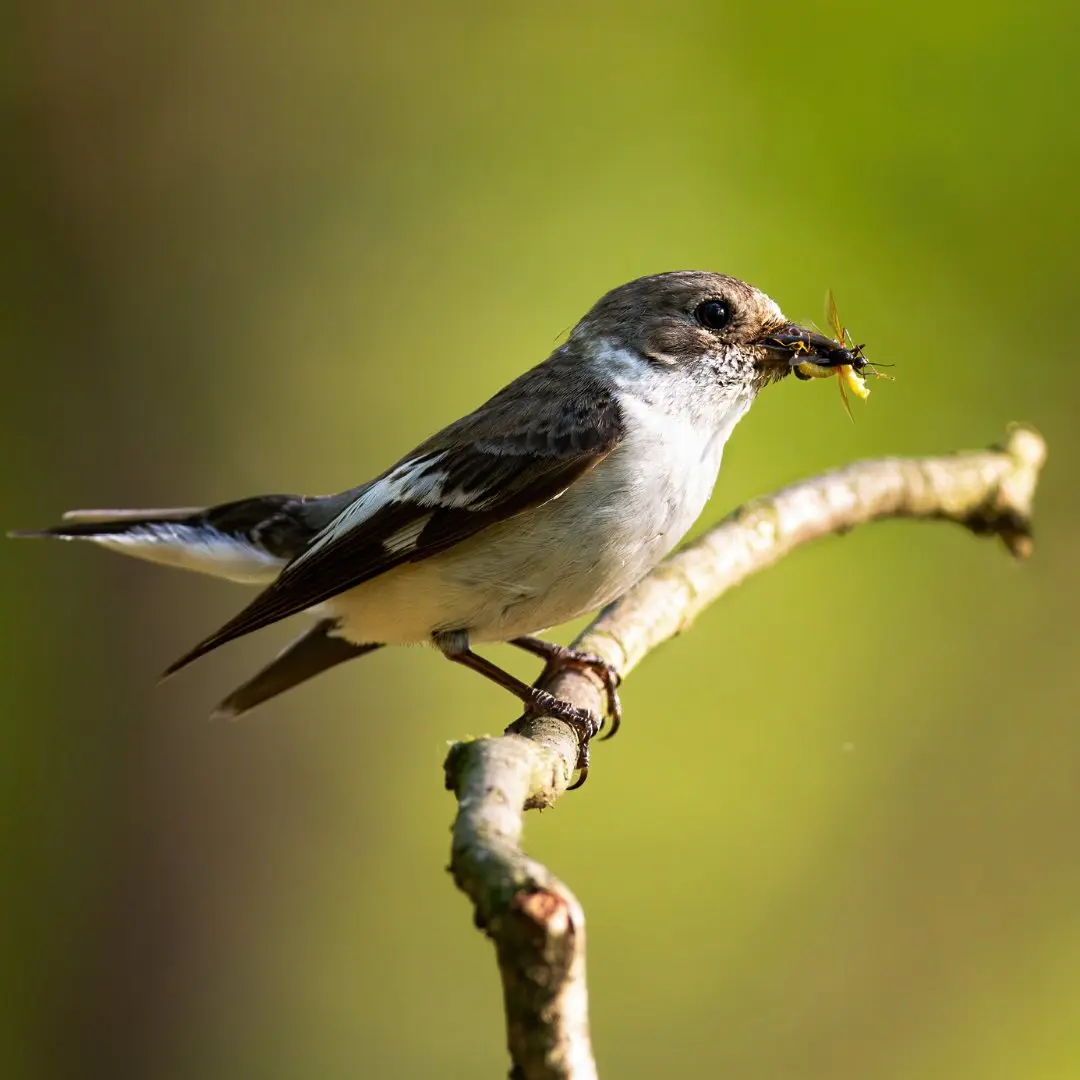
(277, 524)
(315, 651)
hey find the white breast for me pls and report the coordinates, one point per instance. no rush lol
(568, 557)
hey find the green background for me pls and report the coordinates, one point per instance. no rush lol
(270, 247)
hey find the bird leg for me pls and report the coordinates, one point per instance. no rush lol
(454, 646)
(562, 658)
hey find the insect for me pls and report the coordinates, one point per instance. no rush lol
(846, 362)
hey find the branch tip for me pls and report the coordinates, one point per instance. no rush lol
(1026, 445)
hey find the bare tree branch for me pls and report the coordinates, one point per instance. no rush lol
(536, 923)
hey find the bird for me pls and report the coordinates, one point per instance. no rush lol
(547, 502)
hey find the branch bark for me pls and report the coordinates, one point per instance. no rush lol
(537, 925)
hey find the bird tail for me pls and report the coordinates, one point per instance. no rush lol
(316, 650)
(247, 541)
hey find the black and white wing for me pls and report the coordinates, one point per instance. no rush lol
(458, 483)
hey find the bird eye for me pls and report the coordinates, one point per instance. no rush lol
(713, 314)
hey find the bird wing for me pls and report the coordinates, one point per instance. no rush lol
(448, 489)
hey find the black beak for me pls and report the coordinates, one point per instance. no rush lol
(796, 344)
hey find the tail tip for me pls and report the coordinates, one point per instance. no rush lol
(224, 712)
(200, 650)
(177, 665)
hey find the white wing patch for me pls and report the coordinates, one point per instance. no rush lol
(405, 538)
(419, 482)
(193, 547)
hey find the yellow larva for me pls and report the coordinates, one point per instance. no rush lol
(847, 377)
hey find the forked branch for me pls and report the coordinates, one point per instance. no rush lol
(537, 925)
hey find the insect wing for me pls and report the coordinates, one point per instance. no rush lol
(840, 332)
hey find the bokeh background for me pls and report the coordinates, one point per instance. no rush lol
(270, 247)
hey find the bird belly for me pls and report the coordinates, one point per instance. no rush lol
(555, 562)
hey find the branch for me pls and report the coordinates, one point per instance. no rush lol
(536, 923)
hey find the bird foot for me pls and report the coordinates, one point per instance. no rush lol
(561, 658)
(586, 723)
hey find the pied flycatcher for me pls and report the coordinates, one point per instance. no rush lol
(547, 502)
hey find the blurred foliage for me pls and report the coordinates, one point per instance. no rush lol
(270, 247)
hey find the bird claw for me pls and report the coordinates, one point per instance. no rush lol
(567, 659)
(588, 725)
(561, 658)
